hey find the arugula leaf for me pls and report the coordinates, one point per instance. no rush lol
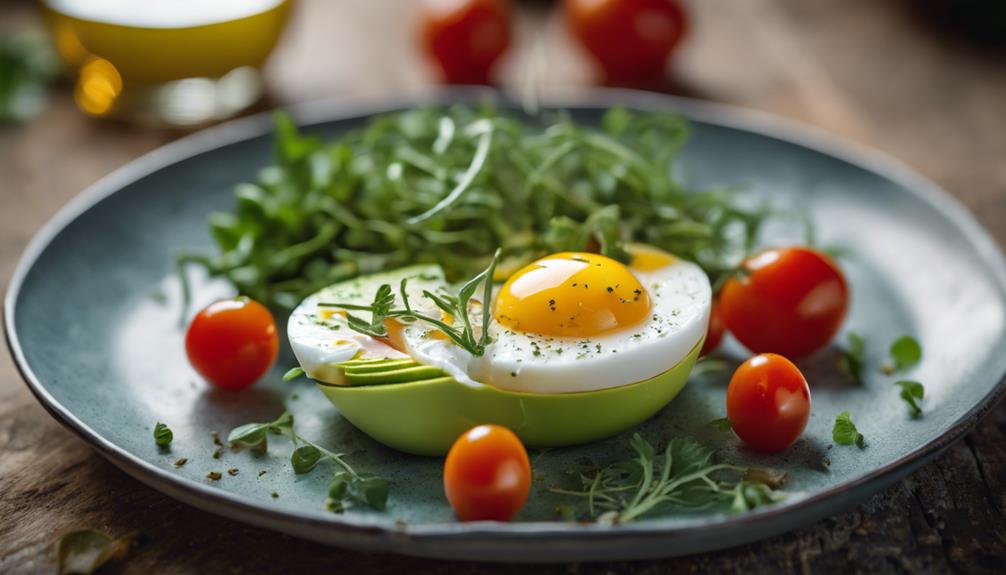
(912, 392)
(683, 476)
(905, 353)
(163, 435)
(852, 359)
(844, 431)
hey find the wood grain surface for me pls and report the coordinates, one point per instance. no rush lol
(885, 74)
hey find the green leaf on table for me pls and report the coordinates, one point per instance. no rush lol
(372, 491)
(912, 392)
(304, 458)
(853, 357)
(844, 431)
(905, 353)
(87, 550)
(163, 435)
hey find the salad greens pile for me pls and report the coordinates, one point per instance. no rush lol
(449, 186)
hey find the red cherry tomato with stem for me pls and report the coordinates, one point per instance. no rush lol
(465, 38)
(232, 343)
(768, 402)
(630, 39)
(487, 475)
(790, 301)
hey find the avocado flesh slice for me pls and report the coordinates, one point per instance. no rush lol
(384, 372)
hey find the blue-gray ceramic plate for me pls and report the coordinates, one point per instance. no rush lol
(92, 312)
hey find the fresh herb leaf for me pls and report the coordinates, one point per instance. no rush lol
(450, 185)
(87, 550)
(905, 353)
(304, 458)
(683, 476)
(912, 392)
(163, 435)
(722, 424)
(456, 307)
(347, 486)
(293, 373)
(853, 358)
(844, 431)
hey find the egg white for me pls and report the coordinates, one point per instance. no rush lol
(680, 297)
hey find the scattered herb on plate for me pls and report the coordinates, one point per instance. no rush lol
(912, 392)
(347, 487)
(684, 476)
(844, 431)
(163, 435)
(905, 354)
(853, 358)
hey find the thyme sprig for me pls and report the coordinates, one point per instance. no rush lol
(455, 306)
(683, 476)
(347, 487)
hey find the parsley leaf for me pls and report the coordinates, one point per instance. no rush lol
(845, 433)
(852, 358)
(912, 392)
(905, 353)
(722, 424)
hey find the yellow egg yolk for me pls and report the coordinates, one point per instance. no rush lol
(572, 294)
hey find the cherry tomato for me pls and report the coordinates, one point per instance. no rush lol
(629, 39)
(790, 301)
(465, 38)
(487, 475)
(232, 342)
(714, 334)
(768, 402)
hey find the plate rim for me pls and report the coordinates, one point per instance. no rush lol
(423, 539)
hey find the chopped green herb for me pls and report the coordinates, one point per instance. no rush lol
(905, 353)
(852, 358)
(163, 435)
(684, 476)
(845, 433)
(912, 392)
(293, 373)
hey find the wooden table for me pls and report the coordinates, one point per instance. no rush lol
(878, 73)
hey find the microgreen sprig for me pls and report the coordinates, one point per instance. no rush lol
(683, 476)
(456, 306)
(844, 431)
(347, 487)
